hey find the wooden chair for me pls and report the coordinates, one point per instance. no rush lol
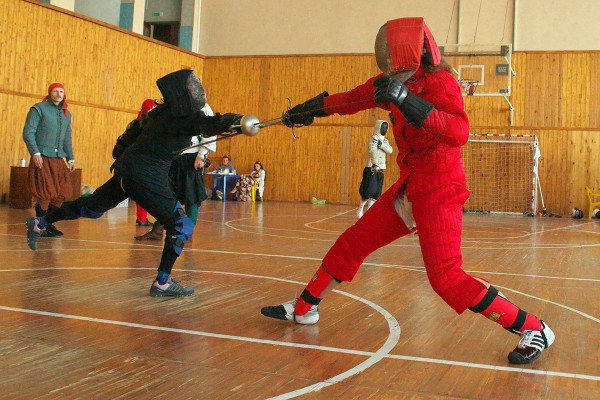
(594, 201)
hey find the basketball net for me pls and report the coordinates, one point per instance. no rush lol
(468, 85)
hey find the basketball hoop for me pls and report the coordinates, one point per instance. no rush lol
(468, 85)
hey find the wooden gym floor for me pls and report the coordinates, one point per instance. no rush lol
(76, 321)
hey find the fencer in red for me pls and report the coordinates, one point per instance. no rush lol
(430, 126)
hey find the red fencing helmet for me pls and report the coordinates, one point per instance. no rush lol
(402, 43)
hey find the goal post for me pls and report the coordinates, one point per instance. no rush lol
(502, 173)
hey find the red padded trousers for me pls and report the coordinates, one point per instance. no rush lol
(439, 222)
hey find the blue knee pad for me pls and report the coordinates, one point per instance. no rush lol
(183, 227)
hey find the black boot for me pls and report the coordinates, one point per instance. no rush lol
(51, 229)
(156, 233)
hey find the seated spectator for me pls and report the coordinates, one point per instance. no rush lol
(243, 188)
(224, 168)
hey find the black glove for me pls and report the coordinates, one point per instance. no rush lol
(305, 113)
(390, 89)
(414, 108)
(229, 119)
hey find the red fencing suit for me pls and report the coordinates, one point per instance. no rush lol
(431, 176)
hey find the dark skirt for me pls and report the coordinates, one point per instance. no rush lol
(187, 182)
(371, 184)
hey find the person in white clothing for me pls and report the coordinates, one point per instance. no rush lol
(372, 181)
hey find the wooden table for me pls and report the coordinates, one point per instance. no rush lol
(19, 195)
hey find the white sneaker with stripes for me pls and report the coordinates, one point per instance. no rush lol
(531, 345)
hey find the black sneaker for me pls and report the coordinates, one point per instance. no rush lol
(170, 289)
(144, 223)
(51, 231)
(47, 234)
(531, 345)
(33, 232)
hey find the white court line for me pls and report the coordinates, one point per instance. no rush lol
(414, 244)
(408, 268)
(156, 247)
(306, 346)
(308, 224)
(186, 331)
(331, 216)
(478, 241)
(597, 320)
(303, 346)
(374, 357)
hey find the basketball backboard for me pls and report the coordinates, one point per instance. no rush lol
(487, 66)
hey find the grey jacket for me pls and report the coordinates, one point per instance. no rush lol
(48, 131)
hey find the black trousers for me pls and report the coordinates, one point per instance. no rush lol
(371, 184)
(161, 205)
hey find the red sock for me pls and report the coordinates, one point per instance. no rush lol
(310, 295)
(497, 308)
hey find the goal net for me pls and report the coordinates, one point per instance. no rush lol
(501, 173)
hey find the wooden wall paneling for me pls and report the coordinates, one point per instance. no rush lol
(318, 164)
(584, 157)
(301, 78)
(519, 87)
(543, 91)
(12, 148)
(93, 148)
(594, 74)
(485, 111)
(555, 169)
(98, 65)
(345, 165)
(575, 90)
(357, 160)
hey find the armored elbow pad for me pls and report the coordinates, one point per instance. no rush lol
(415, 109)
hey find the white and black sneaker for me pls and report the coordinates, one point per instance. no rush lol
(219, 195)
(531, 345)
(285, 312)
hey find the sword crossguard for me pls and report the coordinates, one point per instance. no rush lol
(289, 108)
